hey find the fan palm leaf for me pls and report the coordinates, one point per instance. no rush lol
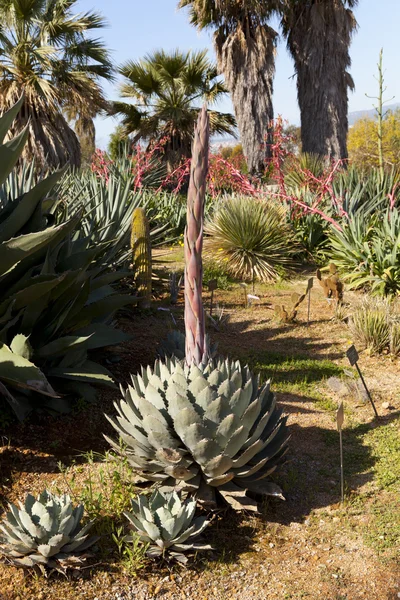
(46, 51)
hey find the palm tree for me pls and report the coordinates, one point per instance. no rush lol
(168, 89)
(318, 36)
(47, 54)
(245, 49)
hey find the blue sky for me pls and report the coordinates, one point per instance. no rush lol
(137, 27)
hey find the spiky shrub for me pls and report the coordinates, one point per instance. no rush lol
(395, 337)
(167, 524)
(370, 324)
(251, 238)
(45, 532)
(208, 428)
(141, 256)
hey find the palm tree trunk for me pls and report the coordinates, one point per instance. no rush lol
(246, 57)
(319, 36)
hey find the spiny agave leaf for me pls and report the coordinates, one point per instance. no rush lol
(236, 442)
(216, 411)
(240, 401)
(192, 433)
(205, 450)
(62, 345)
(217, 466)
(15, 250)
(7, 118)
(205, 397)
(248, 454)
(90, 371)
(220, 479)
(20, 372)
(20, 345)
(27, 205)
(226, 429)
(236, 497)
(10, 153)
(161, 439)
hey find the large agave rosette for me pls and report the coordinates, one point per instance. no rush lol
(204, 428)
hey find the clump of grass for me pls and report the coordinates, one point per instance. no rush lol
(104, 484)
(375, 324)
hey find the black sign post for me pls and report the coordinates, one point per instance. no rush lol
(310, 285)
(353, 357)
(339, 423)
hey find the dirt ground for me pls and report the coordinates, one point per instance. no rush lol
(309, 546)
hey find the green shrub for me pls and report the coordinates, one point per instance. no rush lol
(213, 270)
(250, 238)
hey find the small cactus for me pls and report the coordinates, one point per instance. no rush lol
(141, 256)
(285, 316)
(331, 285)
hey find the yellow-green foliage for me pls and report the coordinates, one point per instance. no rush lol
(363, 141)
(141, 256)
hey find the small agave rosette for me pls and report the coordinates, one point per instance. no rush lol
(204, 428)
(167, 524)
(45, 532)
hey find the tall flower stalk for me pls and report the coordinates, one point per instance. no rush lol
(196, 345)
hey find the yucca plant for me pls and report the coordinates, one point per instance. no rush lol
(251, 238)
(167, 525)
(45, 533)
(200, 424)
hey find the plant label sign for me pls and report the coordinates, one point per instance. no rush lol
(340, 417)
(212, 285)
(310, 284)
(353, 357)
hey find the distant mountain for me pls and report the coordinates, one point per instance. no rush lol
(369, 114)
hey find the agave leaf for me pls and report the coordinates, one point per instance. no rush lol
(10, 153)
(100, 335)
(17, 249)
(7, 118)
(20, 372)
(62, 345)
(27, 205)
(21, 410)
(204, 451)
(20, 345)
(217, 466)
(90, 371)
(236, 497)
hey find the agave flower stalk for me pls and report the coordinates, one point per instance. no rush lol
(196, 345)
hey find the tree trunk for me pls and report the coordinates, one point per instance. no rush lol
(247, 60)
(319, 37)
(51, 141)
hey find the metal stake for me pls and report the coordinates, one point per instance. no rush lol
(367, 390)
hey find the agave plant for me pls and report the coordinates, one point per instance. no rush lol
(167, 525)
(250, 238)
(56, 301)
(367, 251)
(45, 532)
(199, 424)
(207, 428)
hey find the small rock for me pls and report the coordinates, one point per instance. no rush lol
(385, 405)
(271, 545)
